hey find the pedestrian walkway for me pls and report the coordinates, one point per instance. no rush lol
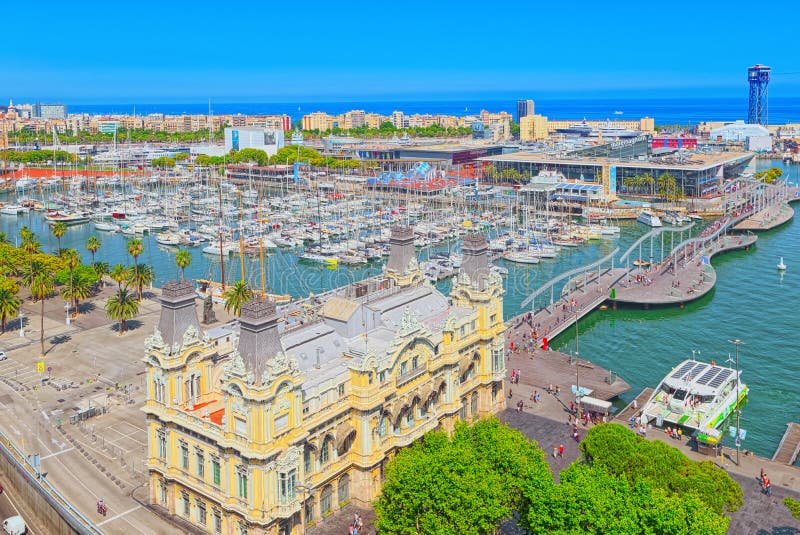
(789, 446)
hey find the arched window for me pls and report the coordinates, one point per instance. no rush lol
(473, 406)
(325, 451)
(383, 425)
(309, 510)
(308, 459)
(344, 488)
(326, 500)
(415, 362)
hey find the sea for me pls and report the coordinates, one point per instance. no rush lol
(665, 111)
(752, 301)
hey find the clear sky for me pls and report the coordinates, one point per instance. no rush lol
(349, 50)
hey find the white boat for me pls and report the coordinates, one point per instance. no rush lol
(105, 227)
(781, 265)
(521, 257)
(14, 209)
(500, 270)
(698, 396)
(649, 219)
(168, 238)
(66, 218)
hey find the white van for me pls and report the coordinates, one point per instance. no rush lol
(14, 525)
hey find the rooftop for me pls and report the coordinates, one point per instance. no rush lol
(695, 160)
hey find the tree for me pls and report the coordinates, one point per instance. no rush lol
(135, 248)
(140, 276)
(41, 287)
(623, 453)
(236, 296)
(163, 161)
(122, 306)
(119, 274)
(80, 288)
(9, 302)
(101, 269)
(72, 260)
(770, 175)
(59, 228)
(467, 483)
(183, 259)
(590, 500)
(92, 244)
(793, 506)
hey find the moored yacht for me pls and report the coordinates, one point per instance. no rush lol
(696, 395)
(649, 219)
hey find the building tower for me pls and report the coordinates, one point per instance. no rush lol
(402, 265)
(757, 110)
(524, 109)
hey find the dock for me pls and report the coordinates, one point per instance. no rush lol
(767, 219)
(789, 447)
(636, 405)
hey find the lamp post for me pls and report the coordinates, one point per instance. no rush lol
(737, 343)
(577, 370)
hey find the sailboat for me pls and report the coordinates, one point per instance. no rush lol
(781, 265)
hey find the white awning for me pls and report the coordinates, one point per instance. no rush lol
(596, 404)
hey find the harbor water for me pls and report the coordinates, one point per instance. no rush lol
(752, 301)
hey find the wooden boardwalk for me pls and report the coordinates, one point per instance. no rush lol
(634, 407)
(789, 447)
(661, 285)
(767, 219)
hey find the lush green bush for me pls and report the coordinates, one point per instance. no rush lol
(623, 453)
(467, 483)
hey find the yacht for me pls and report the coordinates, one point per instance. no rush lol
(698, 396)
(66, 218)
(649, 219)
(14, 209)
(521, 257)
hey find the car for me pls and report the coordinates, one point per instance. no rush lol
(3, 355)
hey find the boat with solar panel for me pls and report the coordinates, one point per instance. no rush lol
(696, 395)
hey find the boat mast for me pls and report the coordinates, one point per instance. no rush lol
(261, 249)
(241, 235)
(221, 258)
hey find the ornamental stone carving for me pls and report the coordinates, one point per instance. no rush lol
(154, 342)
(409, 323)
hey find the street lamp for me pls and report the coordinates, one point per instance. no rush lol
(577, 370)
(737, 343)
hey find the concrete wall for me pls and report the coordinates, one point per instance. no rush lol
(52, 513)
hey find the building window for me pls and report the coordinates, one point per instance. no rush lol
(369, 377)
(217, 520)
(383, 426)
(325, 451)
(162, 487)
(201, 512)
(185, 503)
(344, 488)
(472, 325)
(184, 455)
(241, 482)
(161, 441)
(309, 510)
(215, 472)
(473, 405)
(497, 360)
(462, 412)
(326, 500)
(408, 417)
(462, 331)
(308, 460)
(415, 362)
(281, 422)
(423, 409)
(382, 376)
(403, 367)
(287, 483)
(341, 390)
(493, 319)
(240, 426)
(159, 391)
(201, 463)
(242, 528)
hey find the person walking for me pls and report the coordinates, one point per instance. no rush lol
(561, 450)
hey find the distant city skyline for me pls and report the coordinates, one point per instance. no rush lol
(362, 53)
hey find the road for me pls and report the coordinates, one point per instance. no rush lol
(8, 507)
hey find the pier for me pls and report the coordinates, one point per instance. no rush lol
(789, 447)
(632, 408)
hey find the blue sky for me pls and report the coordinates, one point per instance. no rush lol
(175, 51)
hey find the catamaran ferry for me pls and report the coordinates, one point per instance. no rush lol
(696, 395)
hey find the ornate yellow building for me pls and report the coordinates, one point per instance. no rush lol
(262, 427)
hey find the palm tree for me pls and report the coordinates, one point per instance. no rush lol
(9, 304)
(79, 289)
(3, 237)
(121, 307)
(236, 296)
(41, 287)
(119, 274)
(102, 269)
(59, 228)
(140, 276)
(72, 259)
(92, 244)
(183, 258)
(135, 248)
(26, 234)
